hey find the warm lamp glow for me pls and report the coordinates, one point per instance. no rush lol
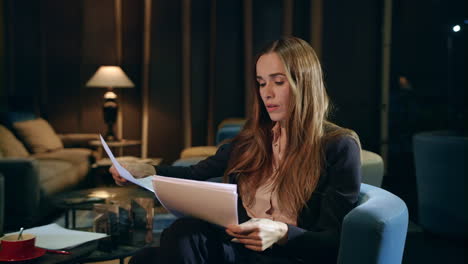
(110, 76)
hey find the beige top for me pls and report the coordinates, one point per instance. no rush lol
(266, 202)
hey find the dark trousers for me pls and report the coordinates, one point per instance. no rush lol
(190, 240)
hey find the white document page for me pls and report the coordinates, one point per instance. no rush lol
(210, 201)
(213, 202)
(53, 236)
(143, 182)
(204, 184)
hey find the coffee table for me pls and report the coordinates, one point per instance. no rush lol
(120, 246)
(78, 254)
(86, 198)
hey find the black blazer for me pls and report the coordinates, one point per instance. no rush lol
(317, 236)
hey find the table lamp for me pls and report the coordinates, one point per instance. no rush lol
(110, 77)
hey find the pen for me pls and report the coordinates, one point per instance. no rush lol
(58, 252)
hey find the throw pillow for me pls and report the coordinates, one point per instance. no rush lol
(38, 135)
(10, 146)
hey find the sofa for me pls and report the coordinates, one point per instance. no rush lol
(37, 164)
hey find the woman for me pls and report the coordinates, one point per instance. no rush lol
(297, 174)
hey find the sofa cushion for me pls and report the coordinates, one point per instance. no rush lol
(38, 135)
(73, 155)
(201, 151)
(79, 157)
(10, 146)
(57, 175)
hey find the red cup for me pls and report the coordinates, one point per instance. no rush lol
(12, 248)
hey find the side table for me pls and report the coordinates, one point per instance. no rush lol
(120, 145)
(100, 169)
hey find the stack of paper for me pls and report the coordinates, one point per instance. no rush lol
(53, 236)
(212, 202)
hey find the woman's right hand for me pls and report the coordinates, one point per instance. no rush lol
(138, 170)
(119, 180)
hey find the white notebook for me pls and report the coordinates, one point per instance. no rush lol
(212, 202)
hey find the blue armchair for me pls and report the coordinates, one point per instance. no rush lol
(375, 231)
(228, 129)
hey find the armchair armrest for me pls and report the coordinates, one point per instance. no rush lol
(22, 191)
(375, 231)
(77, 139)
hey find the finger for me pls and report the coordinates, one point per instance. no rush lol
(255, 248)
(230, 226)
(246, 227)
(119, 184)
(251, 242)
(114, 173)
(240, 236)
(253, 235)
(119, 178)
(113, 170)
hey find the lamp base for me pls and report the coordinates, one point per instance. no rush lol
(110, 136)
(110, 109)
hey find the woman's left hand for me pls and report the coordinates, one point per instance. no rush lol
(258, 233)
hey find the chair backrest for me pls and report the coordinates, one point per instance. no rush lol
(228, 131)
(372, 168)
(440, 161)
(375, 231)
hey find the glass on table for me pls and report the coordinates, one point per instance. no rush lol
(143, 210)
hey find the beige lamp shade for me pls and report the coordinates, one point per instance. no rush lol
(110, 77)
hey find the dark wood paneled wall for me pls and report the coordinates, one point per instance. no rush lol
(229, 73)
(132, 62)
(301, 19)
(201, 16)
(165, 114)
(79, 36)
(351, 61)
(22, 46)
(62, 101)
(267, 22)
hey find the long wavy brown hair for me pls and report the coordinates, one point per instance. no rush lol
(307, 132)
